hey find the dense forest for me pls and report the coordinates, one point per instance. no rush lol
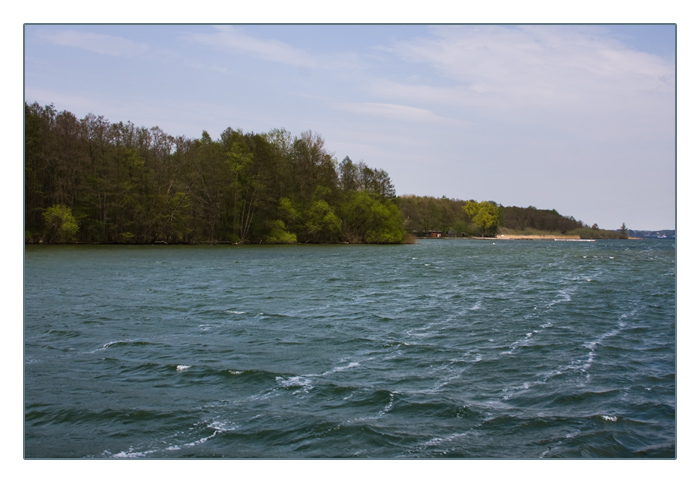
(87, 180)
(91, 181)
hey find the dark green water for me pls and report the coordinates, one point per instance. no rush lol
(443, 349)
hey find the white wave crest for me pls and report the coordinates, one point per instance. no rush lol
(437, 440)
(222, 426)
(303, 383)
(341, 368)
(111, 343)
(132, 454)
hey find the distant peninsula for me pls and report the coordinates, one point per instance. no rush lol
(655, 234)
(91, 181)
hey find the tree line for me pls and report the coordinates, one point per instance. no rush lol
(92, 181)
(454, 217)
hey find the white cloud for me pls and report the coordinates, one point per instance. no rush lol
(100, 43)
(235, 39)
(393, 111)
(547, 67)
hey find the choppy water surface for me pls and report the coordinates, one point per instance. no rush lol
(457, 349)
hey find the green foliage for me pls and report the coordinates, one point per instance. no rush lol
(428, 214)
(367, 218)
(279, 234)
(128, 184)
(485, 215)
(321, 223)
(387, 224)
(517, 218)
(61, 225)
(424, 214)
(126, 237)
(118, 183)
(287, 211)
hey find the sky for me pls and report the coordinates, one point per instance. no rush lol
(577, 118)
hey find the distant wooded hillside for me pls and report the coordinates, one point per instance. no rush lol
(91, 181)
(427, 214)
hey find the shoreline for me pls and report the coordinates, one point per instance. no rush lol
(513, 237)
(538, 237)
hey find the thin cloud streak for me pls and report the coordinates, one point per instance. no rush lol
(396, 111)
(234, 39)
(99, 43)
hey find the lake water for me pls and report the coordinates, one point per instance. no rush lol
(442, 349)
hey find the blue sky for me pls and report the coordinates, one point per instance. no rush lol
(578, 118)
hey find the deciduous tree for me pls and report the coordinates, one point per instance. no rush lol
(484, 215)
(61, 225)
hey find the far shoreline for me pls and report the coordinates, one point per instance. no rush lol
(525, 237)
